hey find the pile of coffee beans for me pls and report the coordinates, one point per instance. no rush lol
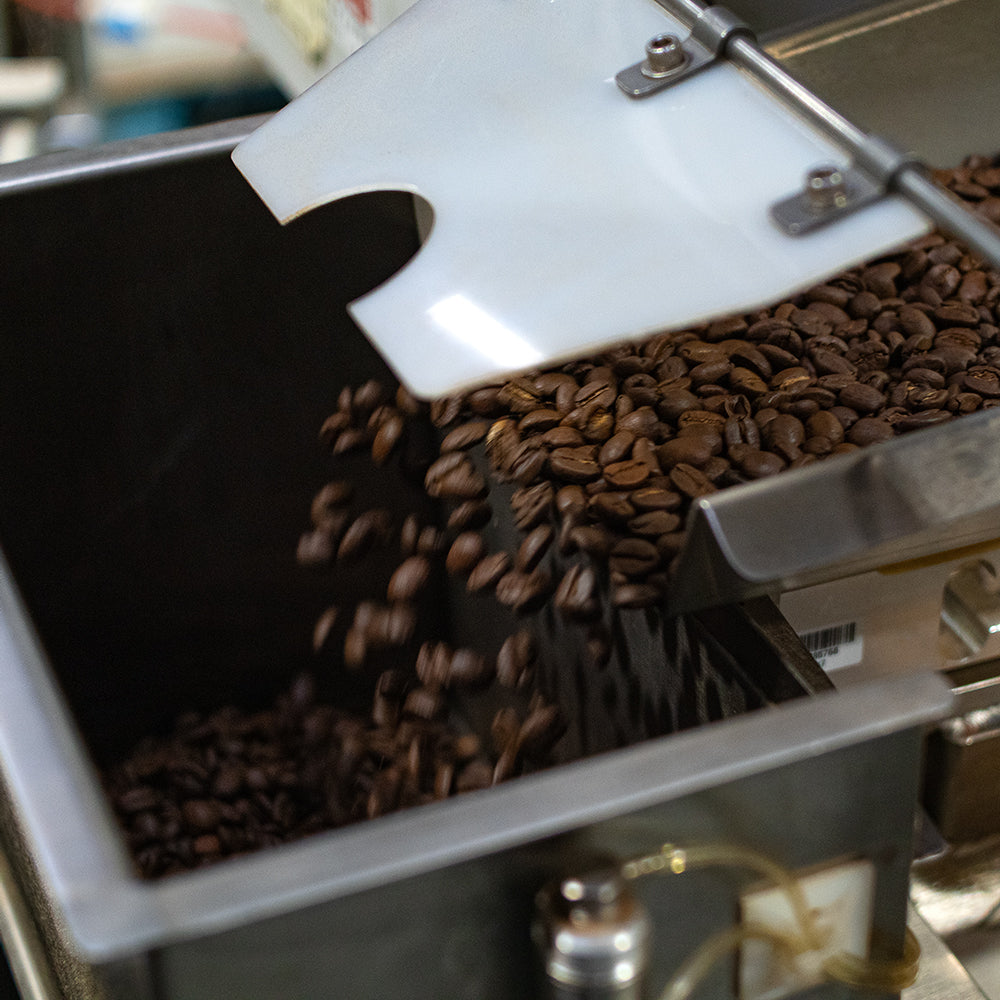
(561, 495)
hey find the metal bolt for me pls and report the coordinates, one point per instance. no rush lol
(826, 188)
(664, 55)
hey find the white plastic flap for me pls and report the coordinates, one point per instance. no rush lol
(567, 216)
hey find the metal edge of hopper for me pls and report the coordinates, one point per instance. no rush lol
(903, 499)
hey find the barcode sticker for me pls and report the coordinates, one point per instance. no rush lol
(835, 646)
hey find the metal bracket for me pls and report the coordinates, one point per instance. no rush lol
(670, 59)
(829, 193)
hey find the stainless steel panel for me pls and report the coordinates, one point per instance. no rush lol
(163, 375)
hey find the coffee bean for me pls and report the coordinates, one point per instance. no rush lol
(870, 430)
(519, 395)
(635, 596)
(533, 548)
(634, 557)
(693, 450)
(488, 571)
(328, 506)
(324, 626)
(470, 515)
(409, 579)
(433, 664)
(524, 592)
(577, 597)
(654, 523)
(575, 465)
(616, 448)
(465, 436)
(516, 659)
(387, 437)
(470, 669)
(367, 530)
(316, 548)
(612, 507)
(862, 398)
(540, 731)
(465, 552)
(540, 420)
(626, 475)
(690, 481)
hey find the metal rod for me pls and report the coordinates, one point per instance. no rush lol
(899, 173)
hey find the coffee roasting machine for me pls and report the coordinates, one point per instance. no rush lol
(168, 352)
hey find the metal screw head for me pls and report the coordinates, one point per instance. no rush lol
(826, 188)
(664, 55)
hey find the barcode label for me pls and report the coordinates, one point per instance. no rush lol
(835, 646)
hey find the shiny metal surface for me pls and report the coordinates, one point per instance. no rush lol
(921, 494)
(894, 168)
(941, 976)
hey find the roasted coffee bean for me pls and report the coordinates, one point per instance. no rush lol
(367, 529)
(861, 398)
(140, 798)
(634, 557)
(316, 548)
(616, 448)
(575, 465)
(652, 524)
(926, 418)
(470, 515)
(324, 626)
(387, 437)
(635, 596)
(409, 533)
(517, 659)
(351, 439)
(676, 401)
(442, 466)
(333, 427)
(612, 507)
(328, 506)
(424, 703)
(690, 481)
(465, 436)
(562, 436)
(701, 421)
(531, 505)
(488, 571)
(526, 463)
(469, 669)
(540, 731)
(409, 579)
(757, 464)
(465, 552)
(691, 449)
(433, 664)
(519, 395)
(540, 420)
(524, 592)
(591, 539)
(570, 501)
(649, 498)
(430, 541)
(626, 475)
(825, 425)
(577, 597)
(870, 430)
(533, 548)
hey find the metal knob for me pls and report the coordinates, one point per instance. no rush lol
(664, 55)
(594, 934)
(826, 188)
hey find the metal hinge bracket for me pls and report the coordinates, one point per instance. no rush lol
(829, 193)
(670, 59)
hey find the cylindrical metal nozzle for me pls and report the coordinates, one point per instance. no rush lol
(594, 935)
